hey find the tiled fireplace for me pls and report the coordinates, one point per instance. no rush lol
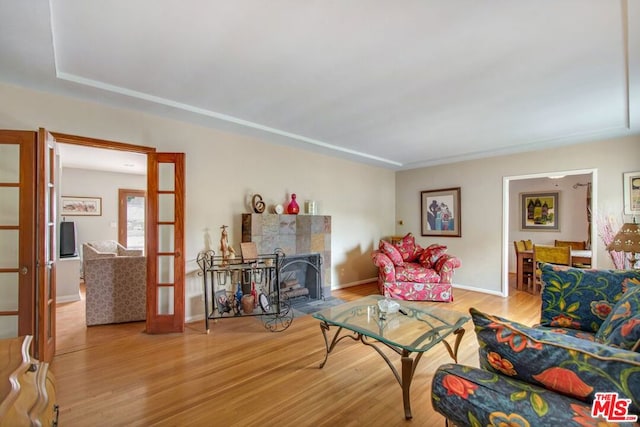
(299, 236)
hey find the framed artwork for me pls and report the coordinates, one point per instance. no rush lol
(440, 212)
(539, 211)
(81, 206)
(631, 189)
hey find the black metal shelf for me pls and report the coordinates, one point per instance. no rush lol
(222, 277)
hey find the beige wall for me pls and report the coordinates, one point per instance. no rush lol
(91, 183)
(223, 168)
(483, 244)
(364, 201)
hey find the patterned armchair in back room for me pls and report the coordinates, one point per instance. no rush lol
(115, 283)
(580, 366)
(409, 272)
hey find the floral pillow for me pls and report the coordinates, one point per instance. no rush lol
(431, 254)
(408, 248)
(622, 327)
(391, 251)
(565, 364)
(579, 298)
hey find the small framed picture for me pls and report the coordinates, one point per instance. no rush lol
(539, 211)
(80, 206)
(631, 189)
(440, 212)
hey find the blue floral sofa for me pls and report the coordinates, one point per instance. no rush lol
(587, 343)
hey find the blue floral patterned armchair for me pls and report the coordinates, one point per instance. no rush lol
(586, 348)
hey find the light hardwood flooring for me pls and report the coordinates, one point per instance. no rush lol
(242, 375)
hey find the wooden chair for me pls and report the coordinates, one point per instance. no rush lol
(527, 264)
(575, 246)
(560, 255)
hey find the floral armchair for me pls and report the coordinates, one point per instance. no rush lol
(585, 349)
(409, 272)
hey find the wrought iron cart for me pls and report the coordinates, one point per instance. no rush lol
(226, 281)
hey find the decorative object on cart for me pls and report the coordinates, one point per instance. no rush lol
(257, 203)
(539, 211)
(229, 297)
(627, 240)
(222, 301)
(81, 206)
(293, 207)
(226, 251)
(247, 303)
(631, 188)
(238, 299)
(254, 294)
(441, 212)
(278, 209)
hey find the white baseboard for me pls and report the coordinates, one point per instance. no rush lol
(68, 298)
(356, 283)
(480, 290)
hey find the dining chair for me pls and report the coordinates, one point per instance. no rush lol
(526, 265)
(560, 255)
(575, 246)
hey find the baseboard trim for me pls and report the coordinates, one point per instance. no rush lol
(482, 291)
(68, 298)
(356, 283)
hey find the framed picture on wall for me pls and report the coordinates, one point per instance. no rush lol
(539, 211)
(631, 188)
(81, 206)
(440, 212)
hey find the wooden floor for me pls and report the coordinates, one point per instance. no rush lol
(242, 375)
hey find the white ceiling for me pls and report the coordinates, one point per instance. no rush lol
(81, 157)
(399, 84)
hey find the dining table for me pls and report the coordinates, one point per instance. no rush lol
(578, 257)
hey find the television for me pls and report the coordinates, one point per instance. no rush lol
(68, 247)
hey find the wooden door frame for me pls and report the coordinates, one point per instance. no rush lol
(62, 138)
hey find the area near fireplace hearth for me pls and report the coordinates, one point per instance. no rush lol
(296, 235)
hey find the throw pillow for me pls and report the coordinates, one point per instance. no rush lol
(408, 248)
(565, 364)
(391, 251)
(622, 327)
(579, 298)
(431, 254)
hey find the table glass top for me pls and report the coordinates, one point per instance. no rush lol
(422, 327)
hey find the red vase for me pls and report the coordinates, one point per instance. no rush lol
(293, 207)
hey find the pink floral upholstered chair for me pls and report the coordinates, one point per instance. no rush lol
(410, 272)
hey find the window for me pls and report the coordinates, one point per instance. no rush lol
(131, 215)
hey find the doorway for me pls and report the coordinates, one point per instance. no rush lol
(567, 182)
(163, 217)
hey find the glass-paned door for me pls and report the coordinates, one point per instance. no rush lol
(17, 228)
(165, 242)
(46, 196)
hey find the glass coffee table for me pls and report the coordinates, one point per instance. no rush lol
(414, 329)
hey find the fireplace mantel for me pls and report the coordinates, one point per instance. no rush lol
(294, 234)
